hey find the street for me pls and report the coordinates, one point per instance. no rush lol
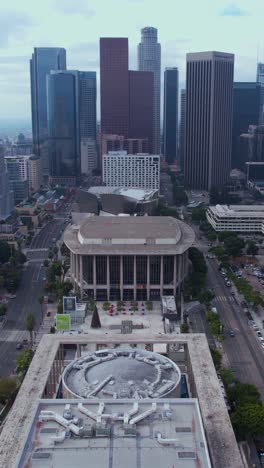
(26, 301)
(243, 351)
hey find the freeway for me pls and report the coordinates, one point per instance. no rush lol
(26, 301)
(243, 351)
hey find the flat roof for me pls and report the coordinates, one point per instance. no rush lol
(133, 234)
(169, 432)
(136, 193)
(221, 440)
(238, 211)
(121, 373)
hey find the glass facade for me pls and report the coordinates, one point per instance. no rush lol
(101, 269)
(88, 268)
(114, 268)
(128, 269)
(168, 269)
(154, 266)
(154, 275)
(44, 59)
(141, 265)
(170, 124)
(63, 125)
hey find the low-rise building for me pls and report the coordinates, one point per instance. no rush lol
(237, 218)
(191, 431)
(131, 170)
(129, 257)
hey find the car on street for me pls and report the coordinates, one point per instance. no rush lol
(231, 333)
(18, 346)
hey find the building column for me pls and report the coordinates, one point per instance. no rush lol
(180, 270)
(108, 277)
(174, 275)
(148, 277)
(81, 276)
(74, 273)
(161, 276)
(94, 276)
(135, 278)
(121, 282)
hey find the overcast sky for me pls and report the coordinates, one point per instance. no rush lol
(184, 26)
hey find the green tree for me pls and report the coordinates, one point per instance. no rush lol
(198, 261)
(8, 385)
(205, 297)
(149, 305)
(5, 252)
(95, 322)
(184, 328)
(248, 420)
(234, 246)
(23, 361)
(30, 325)
(222, 236)
(227, 377)
(198, 215)
(3, 309)
(217, 358)
(241, 393)
(252, 248)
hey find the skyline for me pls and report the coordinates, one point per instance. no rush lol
(78, 25)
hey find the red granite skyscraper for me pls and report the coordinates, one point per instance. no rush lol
(141, 97)
(126, 96)
(114, 86)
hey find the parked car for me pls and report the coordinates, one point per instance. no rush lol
(231, 333)
(18, 346)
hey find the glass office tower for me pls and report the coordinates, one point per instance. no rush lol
(63, 126)
(44, 59)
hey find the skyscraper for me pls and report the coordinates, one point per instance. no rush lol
(208, 133)
(87, 104)
(114, 85)
(247, 110)
(126, 96)
(6, 194)
(87, 116)
(63, 126)
(141, 96)
(260, 73)
(170, 121)
(149, 60)
(182, 128)
(43, 60)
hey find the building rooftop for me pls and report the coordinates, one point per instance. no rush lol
(221, 440)
(143, 234)
(121, 373)
(238, 211)
(135, 193)
(168, 432)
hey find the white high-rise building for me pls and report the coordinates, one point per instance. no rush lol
(149, 60)
(131, 170)
(88, 155)
(6, 194)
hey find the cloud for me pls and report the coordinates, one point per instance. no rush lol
(74, 7)
(14, 59)
(13, 25)
(233, 10)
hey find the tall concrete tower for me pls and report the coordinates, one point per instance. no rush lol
(209, 108)
(149, 60)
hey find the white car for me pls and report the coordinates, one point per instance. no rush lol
(262, 344)
(261, 339)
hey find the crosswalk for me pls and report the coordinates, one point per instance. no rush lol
(224, 298)
(13, 335)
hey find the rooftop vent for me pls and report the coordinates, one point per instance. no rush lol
(187, 455)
